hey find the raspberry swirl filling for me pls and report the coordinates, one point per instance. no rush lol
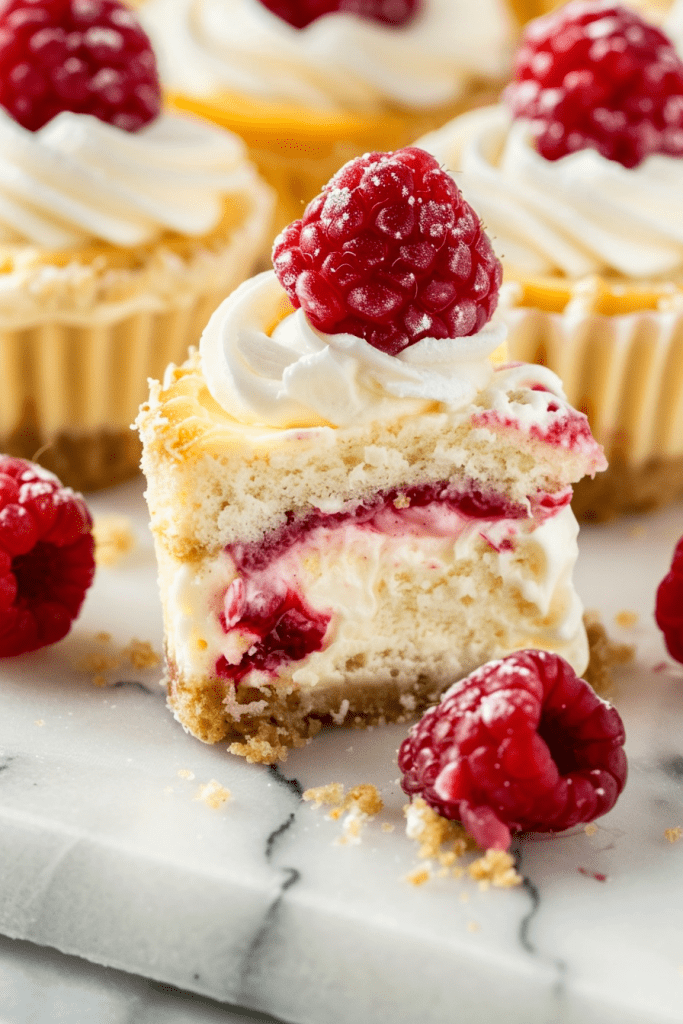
(265, 615)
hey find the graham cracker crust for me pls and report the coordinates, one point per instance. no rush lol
(85, 462)
(625, 489)
(288, 717)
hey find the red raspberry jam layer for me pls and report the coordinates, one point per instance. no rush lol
(265, 607)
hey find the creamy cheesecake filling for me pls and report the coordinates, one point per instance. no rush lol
(326, 580)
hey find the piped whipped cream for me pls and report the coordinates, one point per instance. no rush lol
(339, 60)
(79, 180)
(580, 215)
(298, 376)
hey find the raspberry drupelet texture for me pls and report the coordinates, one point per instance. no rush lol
(87, 56)
(669, 605)
(521, 745)
(392, 253)
(300, 13)
(46, 556)
(596, 75)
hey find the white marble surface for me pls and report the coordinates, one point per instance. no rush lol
(105, 853)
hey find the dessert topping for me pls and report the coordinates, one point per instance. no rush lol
(521, 744)
(596, 75)
(300, 13)
(46, 556)
(390, 252)
(87, 56)
(669, 605)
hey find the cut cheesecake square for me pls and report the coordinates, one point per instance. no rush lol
(348, 520)
(320, 575)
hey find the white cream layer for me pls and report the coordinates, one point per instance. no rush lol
(345, 569)
(580, 215)
(301, 377)
(340, 60)
(79, 180)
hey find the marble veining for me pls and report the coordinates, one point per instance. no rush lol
(108, 851)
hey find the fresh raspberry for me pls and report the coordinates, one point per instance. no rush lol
(669, 605)
(46, 556)
(89, 56)
(521, 744)
(390, 252)
(300, 13)
(597, 76)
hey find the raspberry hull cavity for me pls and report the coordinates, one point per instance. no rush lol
(46, 557)
(520, 745)
(300, 13)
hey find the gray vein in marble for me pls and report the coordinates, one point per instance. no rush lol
(558, 965)
(133, 684)
(290, 876)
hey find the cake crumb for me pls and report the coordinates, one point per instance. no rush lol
(472, 926)
(636, 531)
(419, 876)
(604, 654)
(626, 619)
(356, 807)
(103, 637)
(497, 868)
(39, 721)
(114, 539)
(108, 658)
(185, 773)
(387, 826)
(672, 835)
(213, 794)
(591, 829)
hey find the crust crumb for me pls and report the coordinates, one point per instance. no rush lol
(604, 654)
(418, 877)
(591, 829)
(433, 832)
(185, 773)
(472, 926)
(497, 868)
(213, 794)
(672, 835)
(356, 807)
(114, 539)
(141, 654)
(626, 619)
(332, 794)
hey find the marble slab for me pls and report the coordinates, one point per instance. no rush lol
(106, 853)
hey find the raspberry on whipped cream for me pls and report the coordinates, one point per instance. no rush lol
(342, 532)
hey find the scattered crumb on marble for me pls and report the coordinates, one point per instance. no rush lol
(672, 835)
(464, 896)
(604, 654)
(168, 789)
(213, 794)
(418, 877)
(497, 868)
(114, 539)
(356, 807)
(39, 721)
(387, 826)
(107, 658)
(185, 773)
(141, 654)
(626, 619)
(599, 876)
(637, 531)
(591, 829)
(447, 842)
(433, 832)
(472, 926)
(258, 750)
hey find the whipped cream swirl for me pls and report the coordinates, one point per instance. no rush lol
(298, 376)
(79, 180)
(339, 60)
(580, 215)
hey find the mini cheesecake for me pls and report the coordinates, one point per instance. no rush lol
(341, 532)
